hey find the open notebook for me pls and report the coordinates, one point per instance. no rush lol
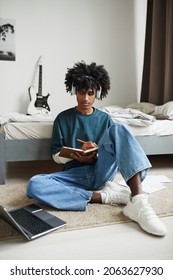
(31, 220)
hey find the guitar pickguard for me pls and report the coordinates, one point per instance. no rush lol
(41, 102)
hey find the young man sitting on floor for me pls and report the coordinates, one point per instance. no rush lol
(86, 178)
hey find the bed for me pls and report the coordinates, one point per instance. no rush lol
(24, 138)
(28, 138)
(151, 125)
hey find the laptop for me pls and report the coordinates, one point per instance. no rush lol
(31, 220)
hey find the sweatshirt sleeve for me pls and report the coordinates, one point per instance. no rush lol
(56, 142)
(60, 160)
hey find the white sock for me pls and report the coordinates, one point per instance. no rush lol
(103, 197)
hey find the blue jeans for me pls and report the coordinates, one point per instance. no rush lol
(72, 189)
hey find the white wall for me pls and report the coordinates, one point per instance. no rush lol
(109, 32)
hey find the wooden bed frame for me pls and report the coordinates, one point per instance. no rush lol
(39, 149)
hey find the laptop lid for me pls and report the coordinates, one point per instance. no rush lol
(52, 221)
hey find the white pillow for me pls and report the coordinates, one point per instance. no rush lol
(164, 111)
(145, 107)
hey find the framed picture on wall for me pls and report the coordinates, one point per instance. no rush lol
(7, 39)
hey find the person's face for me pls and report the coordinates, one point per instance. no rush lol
(85, 100)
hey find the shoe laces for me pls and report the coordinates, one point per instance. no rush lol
(118, 199)
(147, 211)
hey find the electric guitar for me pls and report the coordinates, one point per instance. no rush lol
(38, 103)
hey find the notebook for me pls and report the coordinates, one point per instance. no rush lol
(31, 220)
(66, 151)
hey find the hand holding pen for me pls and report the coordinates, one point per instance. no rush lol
(86, 144)
(91, 158)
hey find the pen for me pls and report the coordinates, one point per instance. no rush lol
(79, 140)
(82, 141)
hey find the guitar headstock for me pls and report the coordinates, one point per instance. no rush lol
(40, 60)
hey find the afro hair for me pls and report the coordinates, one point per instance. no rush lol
(83, 76)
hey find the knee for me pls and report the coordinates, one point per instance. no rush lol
(33, 185)
(120, 130)
(119, 127)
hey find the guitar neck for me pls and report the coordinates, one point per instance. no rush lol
(40, 81)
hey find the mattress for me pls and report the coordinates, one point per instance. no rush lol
(158, 128)
(43, 130)
(22, 126)
(27, 130)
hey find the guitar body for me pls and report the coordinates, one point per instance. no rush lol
(38, 103)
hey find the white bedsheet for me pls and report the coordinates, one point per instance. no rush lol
(28, 130)
(128, 116)
(44, 129)
(22, 126)
(34, 129)
(139, 123)
(159, 128)
(17, 117)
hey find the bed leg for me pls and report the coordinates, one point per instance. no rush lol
(2, 159)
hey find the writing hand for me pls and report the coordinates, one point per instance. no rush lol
(86, 144)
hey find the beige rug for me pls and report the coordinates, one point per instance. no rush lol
(12, 196)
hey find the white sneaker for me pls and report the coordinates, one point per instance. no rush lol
(115, 194)
(140, 211)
